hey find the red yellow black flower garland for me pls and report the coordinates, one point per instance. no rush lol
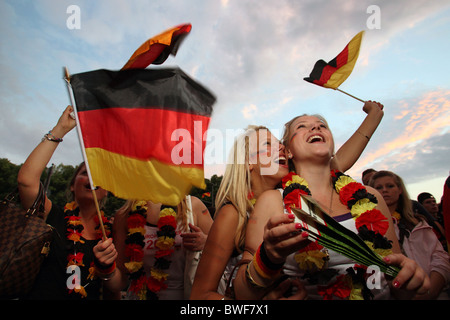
(369, 221)
(143, 287)
(73, 234)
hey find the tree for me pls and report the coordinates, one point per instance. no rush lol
(58, 190)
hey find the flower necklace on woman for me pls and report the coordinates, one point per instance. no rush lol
(370, 223)
(143, 285)
(77, 248)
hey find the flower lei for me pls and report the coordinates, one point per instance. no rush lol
(143, 287)
(369, 221)
(73, 234)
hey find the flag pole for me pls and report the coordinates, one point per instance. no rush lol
(83, 150)
(350, 95)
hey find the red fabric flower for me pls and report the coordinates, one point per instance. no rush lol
(167, 221)
(155, 285)
(134, 252)
(340, 289)
(312, 246)
(162, 253)
(137, 284)
(374, 220)
(287, 178)
(76, 258)
(292, 199)
(346, 193)
(135, 221)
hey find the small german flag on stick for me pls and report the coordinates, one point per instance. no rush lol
(334, 73)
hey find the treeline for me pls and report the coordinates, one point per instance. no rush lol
(60, 179)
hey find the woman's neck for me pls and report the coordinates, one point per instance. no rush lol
(87, 209)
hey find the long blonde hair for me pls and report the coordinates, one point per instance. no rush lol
(236, 183)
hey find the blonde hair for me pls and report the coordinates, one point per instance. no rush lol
(287, 132)
(404, 203)
(236, 183)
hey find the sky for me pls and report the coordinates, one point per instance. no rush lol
(253, 55)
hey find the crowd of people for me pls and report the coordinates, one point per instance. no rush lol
(252, 248)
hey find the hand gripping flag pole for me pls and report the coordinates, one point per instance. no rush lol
(83, 151)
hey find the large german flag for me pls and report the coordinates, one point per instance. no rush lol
(131, 123)
(156, 49)
(334, 73)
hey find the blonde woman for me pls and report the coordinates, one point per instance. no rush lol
(152, 243)
(416, 237)
(244, 180)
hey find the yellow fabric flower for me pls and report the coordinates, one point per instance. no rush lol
(297, 179)
(133, 266)
(139, 203)
(362, 206)
(356, 292)
(396, 216)
(70, 206)
(164, 243)
(167, 212)
(158, 274)
(312, 260)
(91, 275)
(342, 182)
(140, 230)
(81, 291)
(379, 251)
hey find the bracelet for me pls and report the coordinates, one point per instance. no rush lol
(104, 272)
(368, 139)
(50, 137)
(266, 268)
(250, 278)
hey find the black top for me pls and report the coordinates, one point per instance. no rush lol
(51, 282)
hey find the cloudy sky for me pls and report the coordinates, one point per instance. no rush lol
(253, 55)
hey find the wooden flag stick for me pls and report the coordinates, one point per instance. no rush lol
(350, 95)
(83, 150)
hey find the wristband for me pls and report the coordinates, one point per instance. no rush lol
(50, 137)
(266, 268)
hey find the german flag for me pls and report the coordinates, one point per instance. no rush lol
(157, 49)
(334, 73)
(143, 131)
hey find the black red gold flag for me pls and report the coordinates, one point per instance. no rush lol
(131, 123)
(157, 49)
(334, 73)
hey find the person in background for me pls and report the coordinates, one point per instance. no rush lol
(415, 235)
(428, 201)
(366, 175)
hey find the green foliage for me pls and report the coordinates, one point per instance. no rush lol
(58, 190)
